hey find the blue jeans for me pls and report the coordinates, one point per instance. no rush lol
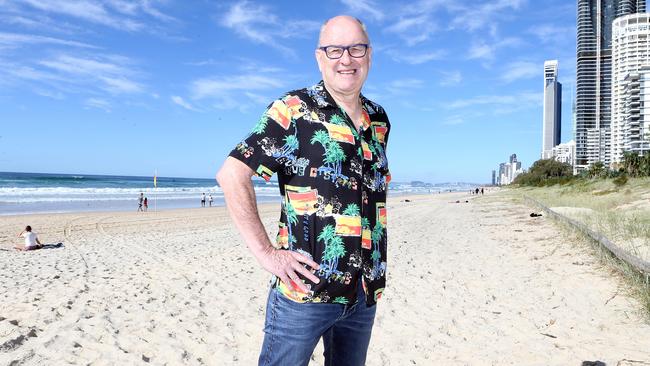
(292, 331)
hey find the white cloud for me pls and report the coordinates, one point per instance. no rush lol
(401, 87)
(524, 99)
(260, 25)
(72, 74)
(98, 103)
(413, 29)
(17, 40)
(257, 98)
(521, 70)
(220, 87)
(454, 120)
(484, 16)
(118, 14)
(49, 93)
(450, 78)
(415, 59)
(120, 84)
(481, 51)
(553, 34)
(181, 102)
(365, 8)
(90, 11)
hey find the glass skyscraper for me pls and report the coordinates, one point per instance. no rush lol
(594, 76)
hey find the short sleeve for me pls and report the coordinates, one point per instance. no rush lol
(272, 143)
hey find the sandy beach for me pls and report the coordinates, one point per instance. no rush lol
(476, 283)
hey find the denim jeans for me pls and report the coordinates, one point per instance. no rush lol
(292, 331)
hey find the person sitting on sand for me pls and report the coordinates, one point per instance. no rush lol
(31, 240)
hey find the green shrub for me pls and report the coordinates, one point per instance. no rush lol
(620, 180)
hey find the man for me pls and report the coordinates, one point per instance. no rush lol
(327, 144)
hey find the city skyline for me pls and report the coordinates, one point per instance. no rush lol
(126, 88)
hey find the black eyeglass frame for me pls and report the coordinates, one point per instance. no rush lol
(345, 48)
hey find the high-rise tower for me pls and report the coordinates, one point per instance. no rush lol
(594, 76)
(552, 117)
(630, 85)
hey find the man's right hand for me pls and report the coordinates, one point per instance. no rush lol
(287, 265)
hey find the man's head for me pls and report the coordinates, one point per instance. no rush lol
(28, 228)
(343, 73)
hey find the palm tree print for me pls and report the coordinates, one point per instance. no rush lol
(337, 119)
(292, 219)
(377, 234)
(365, 223)
(340, 300)
(261, 125)
(352, 210)
(290, 145)
(334, 250)
(334, 154)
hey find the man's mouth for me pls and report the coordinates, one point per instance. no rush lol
(347, 72)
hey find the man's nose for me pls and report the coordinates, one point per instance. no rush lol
(346, 59)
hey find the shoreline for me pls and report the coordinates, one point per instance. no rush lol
(219, 202)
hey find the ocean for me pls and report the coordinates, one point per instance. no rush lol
(26, 193)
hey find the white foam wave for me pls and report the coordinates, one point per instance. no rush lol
(66, 194)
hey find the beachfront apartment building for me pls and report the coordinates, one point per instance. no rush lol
(565, 153)
(630, 85)
(552, 110)
(594, 76)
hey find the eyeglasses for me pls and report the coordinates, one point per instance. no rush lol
(336, 52)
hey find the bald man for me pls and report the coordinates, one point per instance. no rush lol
(327, 144)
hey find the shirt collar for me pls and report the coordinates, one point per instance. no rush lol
(323, 98)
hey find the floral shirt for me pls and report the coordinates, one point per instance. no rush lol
(333, 182)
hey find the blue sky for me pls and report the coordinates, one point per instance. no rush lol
(126, 87)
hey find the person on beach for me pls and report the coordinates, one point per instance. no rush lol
(140, 201)
(146, 204)
(210, 199)
(203, 199)
(327, 143)
(31, 240)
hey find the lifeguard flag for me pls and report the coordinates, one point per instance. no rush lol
(154, 181)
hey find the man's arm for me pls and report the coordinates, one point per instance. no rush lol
(21, 233)
(234, 178)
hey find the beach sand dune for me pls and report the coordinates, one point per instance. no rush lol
(477, 283)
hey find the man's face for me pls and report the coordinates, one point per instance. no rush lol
(346, 75)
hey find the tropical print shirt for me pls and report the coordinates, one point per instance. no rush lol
(333, 182)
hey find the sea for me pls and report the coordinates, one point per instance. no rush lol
(28, 193)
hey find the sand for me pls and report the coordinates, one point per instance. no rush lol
(477, 283)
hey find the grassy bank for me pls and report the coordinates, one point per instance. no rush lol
(620, 212)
